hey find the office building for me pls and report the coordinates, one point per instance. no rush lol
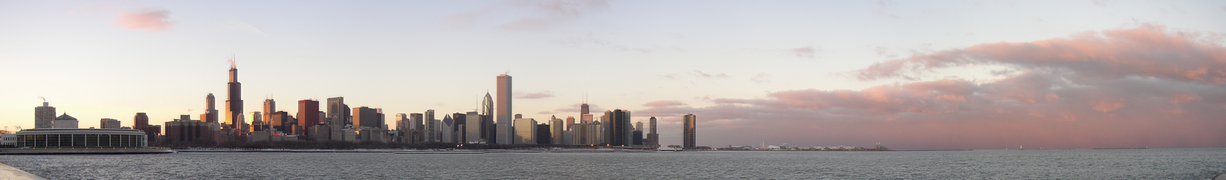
(141, 122)
(457, 126)
(617, 128)
(653, 139)
(637, 137)
(44, 116)
(505, 130)
(234, 103)
(307, 116)
(472, 128)
(366, 118)
(431, 126)
(280, 121)
(488, 129)
(543, 134)
(570, 121)
(338, 112)
(185, 129)
(524, 131)
(210, 110)
(555, 130)
(445, 129)
(270, 106)
(108, 123)
(689, 131)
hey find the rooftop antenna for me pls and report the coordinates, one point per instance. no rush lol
(232, 65)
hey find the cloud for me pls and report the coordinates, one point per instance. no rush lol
(760, 78)
(1102, 3)
(701, 74)
(1146, 51)
(147, 19)
(542, 14)
(663, 103)
(534, 95)
(805, 52)
(1141, 87)
(669, 76)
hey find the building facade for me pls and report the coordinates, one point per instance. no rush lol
(688, 133)
(44, 116)
(505, 130)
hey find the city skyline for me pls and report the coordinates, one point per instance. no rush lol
(939, 75)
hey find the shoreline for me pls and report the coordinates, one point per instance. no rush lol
(59, 151)
(10, 172)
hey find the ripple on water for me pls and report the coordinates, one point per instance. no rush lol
(986, 164)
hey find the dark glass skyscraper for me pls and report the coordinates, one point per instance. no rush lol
(687, 135)
(234, 102)
(618, 130)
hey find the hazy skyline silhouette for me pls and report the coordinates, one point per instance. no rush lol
(910, 75)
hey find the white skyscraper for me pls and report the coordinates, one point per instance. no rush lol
(505, 131)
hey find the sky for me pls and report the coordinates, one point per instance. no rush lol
(906, 74)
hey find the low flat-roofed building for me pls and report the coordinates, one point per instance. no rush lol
(73, 137)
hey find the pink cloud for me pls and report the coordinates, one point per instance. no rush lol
(1143, 87)
(148, 19)
(805, 52)
(662, 103)
(1184, 98)
(1146, 51)
(534, 95)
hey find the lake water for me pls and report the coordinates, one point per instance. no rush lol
(978, 164)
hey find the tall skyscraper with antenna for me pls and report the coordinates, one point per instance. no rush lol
(234, 101)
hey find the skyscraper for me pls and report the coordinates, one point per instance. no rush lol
(525, 131)
(570, 121)
(418, 127)
(431, 127)
(141, 122)
(44, 116)
(456, 126)
(618, 129)
(505, 131)
(210, 110)
(687, 135)
(270, 106)
(556, 127)
(653, 139)
(366, 118)
(307, 116)
(234, 103)
(583, 109)
(472, 127)
(487, 120)
(337, 111)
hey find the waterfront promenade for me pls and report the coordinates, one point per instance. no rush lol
(11, 173)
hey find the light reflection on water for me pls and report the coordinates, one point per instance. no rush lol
(980, 164)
